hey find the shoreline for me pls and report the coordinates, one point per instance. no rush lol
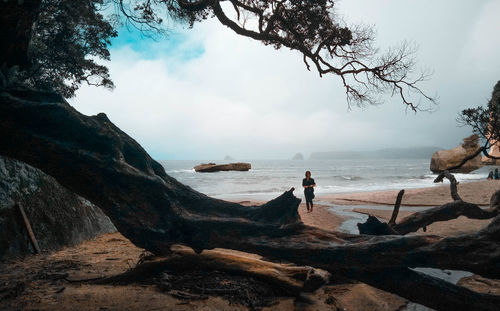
(478, 192)
(419, 199)
(335, 211)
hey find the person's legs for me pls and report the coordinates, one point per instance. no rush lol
(307, 205)
(311, 204)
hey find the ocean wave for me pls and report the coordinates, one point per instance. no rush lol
(261, 191)
(412, 177)
(347, 177)
(181, 171)
(470, 176)
(271, 178)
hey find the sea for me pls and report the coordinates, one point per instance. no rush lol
(270, 178)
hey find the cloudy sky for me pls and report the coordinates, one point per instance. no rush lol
(204, 93)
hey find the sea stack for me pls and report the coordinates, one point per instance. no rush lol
(212, 167)
(298, 156)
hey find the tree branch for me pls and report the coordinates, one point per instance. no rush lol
(427, 217)
(453, 183)
(444, 212)
(331, 48)
(395, 211)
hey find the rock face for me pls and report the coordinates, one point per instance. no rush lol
(495, 147)
(298, 156)
(212, 167)
(58, 217)
(494, 151)
(444, 159)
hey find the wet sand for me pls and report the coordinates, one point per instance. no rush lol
(321, 217)
(421, 199)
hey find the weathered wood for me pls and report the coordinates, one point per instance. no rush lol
(453, 184)
(427, 290)
(27, 225)
(415, 221)
(294, 279)
(373, 226)
(444, 212)
(395, 211)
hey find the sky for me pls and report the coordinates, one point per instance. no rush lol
(205, 93)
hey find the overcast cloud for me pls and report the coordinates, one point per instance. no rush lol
(212, 93)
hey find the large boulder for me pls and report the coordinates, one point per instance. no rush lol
(58, 217)
(298, 156)
(212, 167)
(443, 159)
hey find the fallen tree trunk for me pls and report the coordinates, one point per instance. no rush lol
(95, 159)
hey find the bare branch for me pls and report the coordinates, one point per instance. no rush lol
(453, 184)
(309, 27)
(395, 212)
(444, 212)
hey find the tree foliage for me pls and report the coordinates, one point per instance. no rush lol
(485, 121)
(67, 39)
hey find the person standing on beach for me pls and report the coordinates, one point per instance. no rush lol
(309, 184)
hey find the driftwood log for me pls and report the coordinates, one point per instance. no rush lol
(291, 278)
(95, 159)
(427, 217)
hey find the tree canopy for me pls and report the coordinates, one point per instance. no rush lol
(67, 37)
(485, 121)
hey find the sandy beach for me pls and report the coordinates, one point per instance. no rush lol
(40, 282)
(421, 199)
(474, 192)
